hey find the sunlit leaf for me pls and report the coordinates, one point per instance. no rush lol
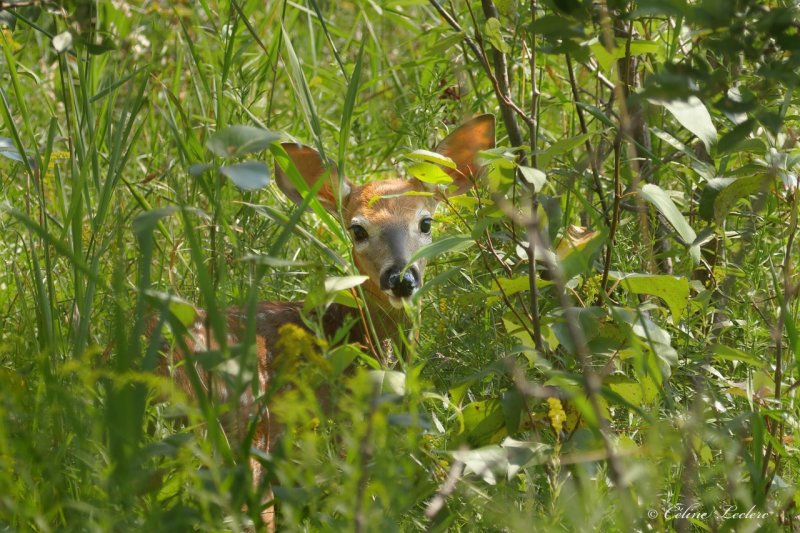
(431, 157)
(488, 462)
(633, 392)
(429, 173)
(495, 36)
(341, 283)
(673, 290)
(482, 421)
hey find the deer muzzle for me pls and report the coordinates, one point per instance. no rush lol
(401, 283)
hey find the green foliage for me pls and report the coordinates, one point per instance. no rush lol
(607, 336)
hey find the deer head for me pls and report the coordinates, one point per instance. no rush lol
(386, 223)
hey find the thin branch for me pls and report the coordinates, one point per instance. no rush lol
(789, 292)
(589, 150)
(504, 98)
(612, 232)
(501, 72)
(591, 382)
(534, 136)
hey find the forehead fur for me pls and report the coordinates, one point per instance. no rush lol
(383, 201)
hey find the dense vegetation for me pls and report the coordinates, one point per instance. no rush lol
(607, 341)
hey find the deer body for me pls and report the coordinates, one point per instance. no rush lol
(388, 221)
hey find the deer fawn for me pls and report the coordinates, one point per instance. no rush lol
(387, 227)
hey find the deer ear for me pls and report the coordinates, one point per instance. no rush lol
(463, 145)
(311, 167)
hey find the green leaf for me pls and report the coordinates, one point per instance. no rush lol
(443, 44)
(432, 157)
(733, 192)
(453, 243)
(506, 8)
(654, 337)
(710, 192)
(275, 262)
(495, 36)
(512, 286)
(482, 421)
(198, 169)
(534, 176)
(726, 353)
(661, 200)
(349, 105)
(733, 139)
(430, 173)
(236, 141)
(692, 115)
(606, 59)
(658, 340)
(633, 392)
(560, 147)
(577, 258)
(301, 89)
(185, 312)
(513, 328)
(145, 223)
(673, 290)
(248, 176)
(342, 357)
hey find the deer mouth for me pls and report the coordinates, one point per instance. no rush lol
(399, 302)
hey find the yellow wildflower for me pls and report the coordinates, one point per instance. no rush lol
(295, 344)
(556, 414)
(294, 341)
(12, 44)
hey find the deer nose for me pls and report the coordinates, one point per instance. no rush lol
(402, 284)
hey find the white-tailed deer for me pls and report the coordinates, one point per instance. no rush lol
(387, 226)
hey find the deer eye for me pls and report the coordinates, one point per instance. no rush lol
(359, 233)
(425, 225)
